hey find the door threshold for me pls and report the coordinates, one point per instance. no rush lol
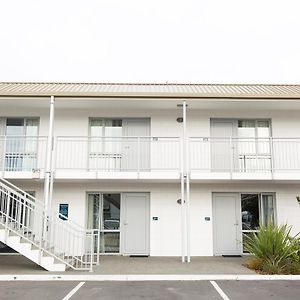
(138, 256)
(231, 255)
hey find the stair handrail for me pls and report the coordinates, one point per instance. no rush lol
(71, 231)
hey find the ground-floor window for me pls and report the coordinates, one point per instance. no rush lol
(104, 214)
(256, 209)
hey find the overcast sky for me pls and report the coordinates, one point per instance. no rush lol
(204, 41)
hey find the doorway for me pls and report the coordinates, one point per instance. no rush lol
(123, 221)
(237, 214)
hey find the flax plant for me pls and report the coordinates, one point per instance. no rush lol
(274, 247)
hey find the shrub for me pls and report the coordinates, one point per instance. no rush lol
(274, 247)
(254, 263)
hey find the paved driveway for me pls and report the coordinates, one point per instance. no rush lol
(167, 290)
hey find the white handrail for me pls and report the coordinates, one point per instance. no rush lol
(245, 154)
(64, 241)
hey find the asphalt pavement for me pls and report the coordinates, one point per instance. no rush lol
(166, 290)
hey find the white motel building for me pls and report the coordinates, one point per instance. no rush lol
(92, 169)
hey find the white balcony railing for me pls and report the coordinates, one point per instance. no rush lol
(117, 154)
(24, 154)
(244, 154)
(151, 154)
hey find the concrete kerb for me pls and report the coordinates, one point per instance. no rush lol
(145, 277)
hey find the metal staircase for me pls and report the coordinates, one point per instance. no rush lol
(51, 242)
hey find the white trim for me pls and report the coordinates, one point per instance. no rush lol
(145, 277)
(219, 290)
(73, 291)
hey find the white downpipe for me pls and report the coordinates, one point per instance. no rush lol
(183, 231)
(187, 182)
(188, 226)
(47, 199)
(183, 182)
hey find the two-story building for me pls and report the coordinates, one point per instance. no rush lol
(157, 169)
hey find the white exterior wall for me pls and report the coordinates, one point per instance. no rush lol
(165, 234)
(75, 121)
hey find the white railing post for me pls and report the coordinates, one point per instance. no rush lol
(231, 156)
(92, 251)
(7, 215)
(139, 155)
(4, 156)
(272, 155)
(98, 247)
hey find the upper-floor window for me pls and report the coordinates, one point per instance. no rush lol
(21, 144)
(22, 126)
(253, 128)
(254, 136)
(105, 127)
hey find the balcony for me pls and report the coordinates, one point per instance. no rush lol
(22, 157)
(117, 157)
(244, 158)
(153, 158)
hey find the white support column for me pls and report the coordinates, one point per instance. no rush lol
(188, 227)
(182, 185)
(183, 231)
(48, 167)
(186, 183)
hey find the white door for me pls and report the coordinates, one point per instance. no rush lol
(227, 224)
(223, 149)
(136, 151)
(135, 224)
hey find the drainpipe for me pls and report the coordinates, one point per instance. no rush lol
(187, 184)
(182, 186)
(48, 175)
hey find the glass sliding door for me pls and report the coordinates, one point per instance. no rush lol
(254, 145)
(105, 144)
(256, 209)
(104, 214)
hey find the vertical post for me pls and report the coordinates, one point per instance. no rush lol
(47, 200)
(3, 163)
(7, 215)
(187, 183)
(138, 155)
(182, 196)
(92, 251)
(271, 147)
(98, 246)
(183, 187)
(188, 227)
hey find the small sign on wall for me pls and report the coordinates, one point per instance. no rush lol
(63, 211)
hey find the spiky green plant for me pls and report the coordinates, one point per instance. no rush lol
(273, 245)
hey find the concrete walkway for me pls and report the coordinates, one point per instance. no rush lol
(118, 265)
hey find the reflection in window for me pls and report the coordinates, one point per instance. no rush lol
(250, 212)
(111, 211)
(256, 209)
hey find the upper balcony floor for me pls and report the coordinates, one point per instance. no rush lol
(101, 138)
